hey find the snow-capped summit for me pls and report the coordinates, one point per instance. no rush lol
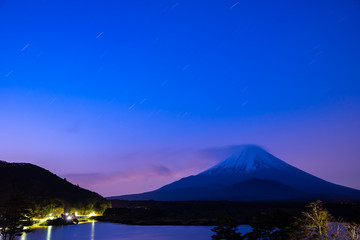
(246, 159)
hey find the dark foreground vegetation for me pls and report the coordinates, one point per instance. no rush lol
(314, 223)
(208, 213)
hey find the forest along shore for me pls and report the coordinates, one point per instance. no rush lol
(207, 213)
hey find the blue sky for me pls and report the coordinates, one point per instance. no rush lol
(86, 84)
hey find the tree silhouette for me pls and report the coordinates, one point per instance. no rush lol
(227, 229)
(14, 216)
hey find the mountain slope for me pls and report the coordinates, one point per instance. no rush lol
(246, 163)
(39, 188)
(261, 190)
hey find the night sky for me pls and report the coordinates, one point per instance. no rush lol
(126, 96)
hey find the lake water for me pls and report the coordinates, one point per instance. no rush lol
(115, 231)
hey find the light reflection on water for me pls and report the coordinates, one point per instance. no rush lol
(48, 235)
(93, 230)
(114, 231)
(23, 237)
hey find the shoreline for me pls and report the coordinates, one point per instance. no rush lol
(207, 213)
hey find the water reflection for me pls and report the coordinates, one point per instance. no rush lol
(93, 230)
(48, 235)
(114, 231)
(23, 236)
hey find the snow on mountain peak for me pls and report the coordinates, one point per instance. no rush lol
(247, 158)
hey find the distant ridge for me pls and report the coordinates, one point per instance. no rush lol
(250, 174)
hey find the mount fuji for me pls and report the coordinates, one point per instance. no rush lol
(249, 174)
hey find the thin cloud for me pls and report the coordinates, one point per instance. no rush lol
(221, 153)
(93, 179)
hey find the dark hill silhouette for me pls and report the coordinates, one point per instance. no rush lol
(37, 187)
